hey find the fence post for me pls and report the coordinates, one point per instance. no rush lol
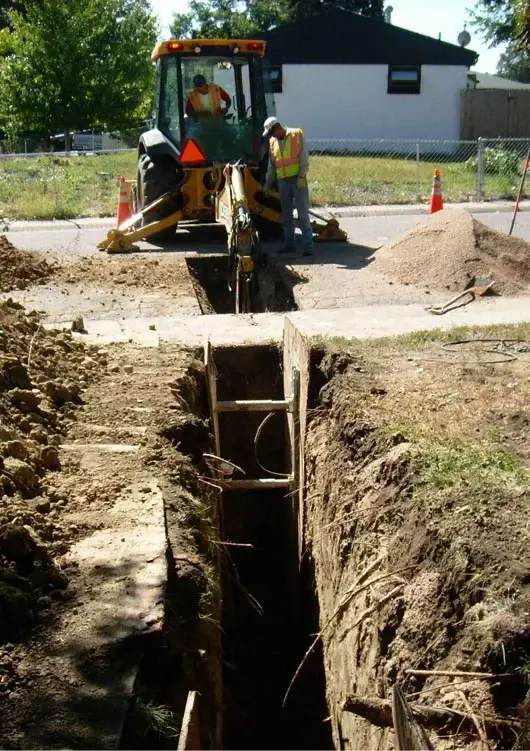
(480, 169)
(418, 177)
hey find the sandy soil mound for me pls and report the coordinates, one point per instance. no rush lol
(21, 268)
(169, 275)
(450, 249)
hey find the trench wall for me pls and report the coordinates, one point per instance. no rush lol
(352, 489)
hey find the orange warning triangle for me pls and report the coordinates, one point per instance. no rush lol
(192, 153)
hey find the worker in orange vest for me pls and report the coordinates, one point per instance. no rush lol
(289, 163)
(206, 100)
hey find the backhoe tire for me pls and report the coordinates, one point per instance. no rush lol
(153, 180)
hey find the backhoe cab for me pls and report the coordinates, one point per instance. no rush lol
(204, 160)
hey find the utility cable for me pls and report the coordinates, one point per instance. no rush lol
(256, 439)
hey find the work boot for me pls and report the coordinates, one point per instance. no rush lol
(308, 251)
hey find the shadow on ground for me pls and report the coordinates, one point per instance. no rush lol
(79, 684)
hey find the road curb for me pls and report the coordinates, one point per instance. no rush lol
(59, 224)
(350, 212)
(345, 212)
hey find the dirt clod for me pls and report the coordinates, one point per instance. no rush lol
(450, 249)
(20, 545)
(49, 458)
(21, 268)
(22, 475)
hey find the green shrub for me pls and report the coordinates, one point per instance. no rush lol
(497, 162)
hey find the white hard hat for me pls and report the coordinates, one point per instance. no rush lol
(269, 125)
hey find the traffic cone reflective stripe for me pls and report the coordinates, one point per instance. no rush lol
(124, 209)
(437, 201)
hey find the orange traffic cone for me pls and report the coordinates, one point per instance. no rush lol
(124, 209)
(437, 201)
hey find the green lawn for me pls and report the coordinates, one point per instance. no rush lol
(358, 181)
(63, 187)
(78, 186)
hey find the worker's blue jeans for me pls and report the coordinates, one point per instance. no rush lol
(290, 197)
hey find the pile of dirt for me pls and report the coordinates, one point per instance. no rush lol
(452, 247)
(20, 269)
(42, 375)
(168, 275)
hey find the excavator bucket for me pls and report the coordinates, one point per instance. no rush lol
(327, 229)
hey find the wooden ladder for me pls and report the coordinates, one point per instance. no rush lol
(290, 405)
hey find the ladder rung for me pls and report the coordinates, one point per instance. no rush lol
(268, 483)
(256, 405)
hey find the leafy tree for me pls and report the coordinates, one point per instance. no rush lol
(521, 11)
(225, 18)
(507, 22)
(5, 7)
(76, 64)
(494, 20)
(371, 8)
(503, 21)
(514, 63)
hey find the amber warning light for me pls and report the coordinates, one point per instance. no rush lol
(175, 46)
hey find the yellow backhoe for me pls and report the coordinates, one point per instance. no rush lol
(205, 170)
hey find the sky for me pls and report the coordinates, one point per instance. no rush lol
(445, 17)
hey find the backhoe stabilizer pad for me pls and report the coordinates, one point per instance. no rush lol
(329, 232)
(117, 242)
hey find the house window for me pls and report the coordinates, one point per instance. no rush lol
(404, 79)
(273, 74)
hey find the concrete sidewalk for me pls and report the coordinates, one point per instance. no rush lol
(84, 223)
(366, 322)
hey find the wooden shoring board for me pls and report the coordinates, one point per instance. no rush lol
(211, 383)
(296, 359)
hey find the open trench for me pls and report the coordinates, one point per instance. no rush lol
(268, 613)
(210, 277)
(264, 613)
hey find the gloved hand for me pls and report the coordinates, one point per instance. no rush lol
(301, 183)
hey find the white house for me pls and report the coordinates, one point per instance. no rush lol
(340, 75)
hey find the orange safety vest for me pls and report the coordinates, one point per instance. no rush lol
(214, 97)
(287, 162)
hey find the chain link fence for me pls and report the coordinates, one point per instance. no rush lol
(45, 184)
(85, 141)
(367, 172)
